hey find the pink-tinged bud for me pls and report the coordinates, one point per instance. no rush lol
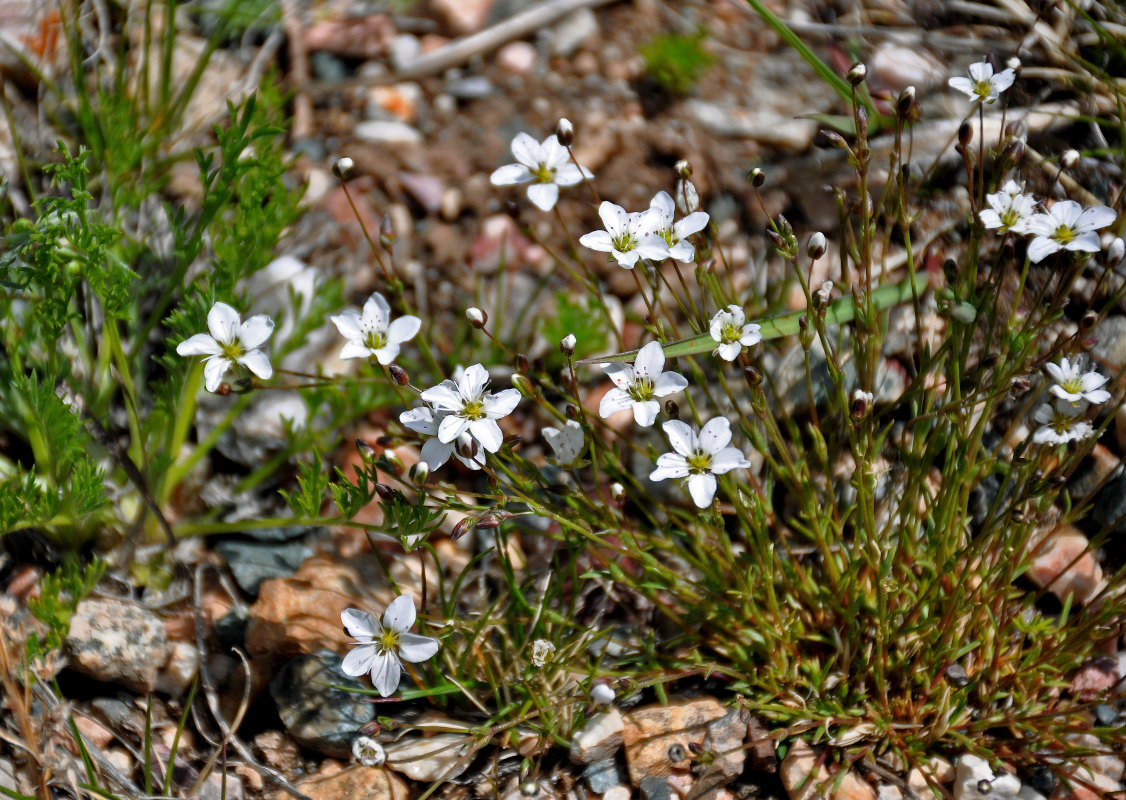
(861, 404)
(572, 411)
(1013, 64)
(857, 73)
(565, 132)
(342, 168)
(617, 492)
(385, 492)
(420, 472)
(521, 362)
(1069, 159)
(752, 375)
(367, 452)
(399, 375)
(823, 295)
(815, 246)
(386, 233)
(477, 318)
(462, 528)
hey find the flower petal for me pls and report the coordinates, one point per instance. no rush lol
(199, 345)
(653, 247)
(419, 420)
(377, 313)
(681, 436)
(715, 435)
(669, 465)
(502, 403)
(213, 370)
(663, 204)
(729, 351)
(597, 240)
(359, 624)
(1040, 248)
(487, 432)
(255, 331)
(702, 489)
(403, 329)
(962, 85)
(385, 673)
(353, 349)
(727, 459)
(473, 381)
(510, 175)
(415, 648)
(614, 401)
(1095, 217)
(400, 614)
(525, 149)
(223, 322)
(682, 251)
(451, 427)
(257, 362)
(444, 396)
(568, 174)
(693, 223)
(348, 323)
(387, 354)
(645, 414)
(1085, 242)
(650, 361)
(614, 217)
(435, 452)
(543, 195)
(669, 383)
(359, 661)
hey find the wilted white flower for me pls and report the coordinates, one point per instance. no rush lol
(435, 452)
(1009, 209)
(470, 409)
(231, 341)
(546, 165)
(1066, 226)
(567, 344)
(627, 237)
(373, 333)
(1059, 425)
(983, 85)
(567, 443)
(1069, 159)
(381, 648)
(974, 780)
(638, 385)
(676, 234)
(1073, 384)
(732, 332)
(368, 751)
(700, 456)
(542, 651)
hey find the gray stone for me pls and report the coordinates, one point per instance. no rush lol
(404, 50)
(215, 788)
(572, 33)
(1110, 345)
(8, 779)
(117, 641)
(317, 715)
(472, 88)
(655, 787)
(327, 67)
(602, 775)
(599, 738)
(252, 562)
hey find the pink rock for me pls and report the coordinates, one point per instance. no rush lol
(1094, 678)
(517, 57)
(463, 16)
(1063, 562)
(360, 37)
(426, 190)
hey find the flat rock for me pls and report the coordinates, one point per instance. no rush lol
(379, 131)
(430, 758)
(518, 57)
(774, 130)
(602, 775)
(659, 739)
(801, 774)
(117, 641)
(463, 16)
(354, 783)
(317, 715)
(599, 738)
(253, 562)
(574, 31)
(1064, 563)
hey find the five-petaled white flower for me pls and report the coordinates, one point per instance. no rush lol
(983, 85)
(699, 456)
(638, 385)
(542, 651)
(1073, 384)
(1066, 226)
(1059, 424)
(732, 332)
(435, 452)
(373, 333)
(627, 236)
(546, 165)
(368, 751)
(676, 234)
(1009, 209)
(470, 409)
(381, 649)
(567, 442)
(231, 341)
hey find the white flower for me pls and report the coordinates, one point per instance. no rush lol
(638, 385)
(1009, 209)
(1059, 424)
(435, 452)
(470, 409)
(601, 694)
(983, 85)
(699, 456)
(732, 332)
(381, 649)
(546, 165)
(1066, 226)
(230, 341)
(676, 234)
(627, 236)
(368, 751)
(567, 443)
(1073, 384)
(373, 333)
(542, 651)
(974, 780)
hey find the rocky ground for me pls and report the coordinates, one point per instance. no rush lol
(424, 140)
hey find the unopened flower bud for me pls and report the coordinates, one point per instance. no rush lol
(477, 318)
(420, 472)
(1114, 251)
(687, 198)
(862, 122)
(565, 132)
(834, 138)
(572, 411)
(386, 233)
(905, 103)
(617, 492)
(1088, 320)
(857, 73)
(861, 404)
(224, 389)
(462, 528)
(342, 168)
(567, 345)
(774, 237)
(756, 177)
(815, 245)
(752, 375)
(385, 492)
(672, 409)
(367, 452)
(399, 375)
(823, 294)
(965, 133)
(520, 362)
(511, 209)
(1013, 63)
(467, 449)
(1014, 150)
(523, 385)
(601, 694)
(1069, 159)
(538, 366)
(493, 519)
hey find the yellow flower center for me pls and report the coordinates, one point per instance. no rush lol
(641, 390)
(730, 332)
(699, 462)
(389, 640)
(375, 340)
(474, 409)
(1063, 234)
(543, 174)
(233, 351)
